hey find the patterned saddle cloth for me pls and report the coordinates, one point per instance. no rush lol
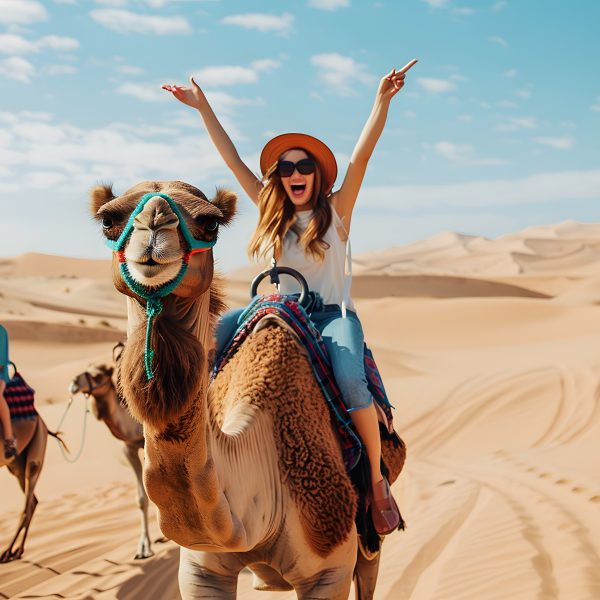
(293, 315)
(20, 397)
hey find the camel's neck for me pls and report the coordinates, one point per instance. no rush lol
(180, 472)
(106, 407)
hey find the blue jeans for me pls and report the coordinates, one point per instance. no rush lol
(344, 341)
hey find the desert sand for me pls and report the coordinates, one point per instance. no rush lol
(490, 352)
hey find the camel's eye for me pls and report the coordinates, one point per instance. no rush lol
(212, 226)
(107, 222)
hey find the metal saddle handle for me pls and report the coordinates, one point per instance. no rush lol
(274, 273)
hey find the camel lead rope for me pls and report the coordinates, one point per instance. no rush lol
(83, 429)
(153, 308)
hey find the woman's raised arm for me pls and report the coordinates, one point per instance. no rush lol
(193, 96)
(344, 199)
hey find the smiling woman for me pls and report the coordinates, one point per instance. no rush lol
(303, 224)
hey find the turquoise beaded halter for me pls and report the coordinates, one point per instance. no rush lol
(154, 297)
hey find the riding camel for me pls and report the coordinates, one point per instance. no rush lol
(32, 435)
(246, 471)
(99, 382)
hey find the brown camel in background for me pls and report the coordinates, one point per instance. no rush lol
(99, 382)
(247, 472)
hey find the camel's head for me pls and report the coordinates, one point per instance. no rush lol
(156, 236)
(96, 381)
(95, 378)
(162, 233)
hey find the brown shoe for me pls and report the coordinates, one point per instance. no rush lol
(10, 448)
(384, 510)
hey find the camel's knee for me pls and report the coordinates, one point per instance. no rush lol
(204, 575)
(328, 584)
(142, 501)
(197, 582)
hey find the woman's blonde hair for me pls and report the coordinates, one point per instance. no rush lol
(277, 215)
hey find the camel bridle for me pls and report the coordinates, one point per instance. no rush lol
(154, 296)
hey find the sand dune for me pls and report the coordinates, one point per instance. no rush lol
(490, 352)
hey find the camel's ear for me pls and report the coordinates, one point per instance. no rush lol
(226, 202)
(99, 196)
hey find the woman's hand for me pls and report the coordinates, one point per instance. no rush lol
(192, 96)
(393, 82)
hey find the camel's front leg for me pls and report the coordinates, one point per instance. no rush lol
(208, 575)
(365, 576)
(144, 549)
(27, 472)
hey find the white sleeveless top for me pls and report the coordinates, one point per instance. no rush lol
(331, 277)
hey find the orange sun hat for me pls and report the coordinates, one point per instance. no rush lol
(286, 141)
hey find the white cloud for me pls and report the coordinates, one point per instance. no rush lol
(119, 152)
(510, 73)
(436, 86)
(559, 143)
(15, 44)
(124, 21)
(17, 68)
(45, 179)
(463, 154)
(225, 103)
(129, 70)
(498, 6)
(516, 124)
(225, 75)
(535, 189)
(436, 3)
(329, 4)
(525, 94)
(262, 22)
(61, 70)
(596, 106)
(265, 64)
(146, 92)
(21, 12)
(496, 39)
(341, 73)
(462, 11)
(58, 43)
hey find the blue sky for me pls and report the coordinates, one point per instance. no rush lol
(496, 129)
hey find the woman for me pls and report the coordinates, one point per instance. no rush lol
(10, 442)
(303, 224)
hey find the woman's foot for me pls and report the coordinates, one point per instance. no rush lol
(384, 510)
(10, 448)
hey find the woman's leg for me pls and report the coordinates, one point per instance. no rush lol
(9, 436)
(344, 340)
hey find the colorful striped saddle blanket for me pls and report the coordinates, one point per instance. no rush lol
(291, 313)
(20, 397)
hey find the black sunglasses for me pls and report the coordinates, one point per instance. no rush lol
(306, 166)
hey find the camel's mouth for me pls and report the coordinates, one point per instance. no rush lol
(151, 272)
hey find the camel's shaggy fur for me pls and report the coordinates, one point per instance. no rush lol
(310, 461)
(178, 356)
